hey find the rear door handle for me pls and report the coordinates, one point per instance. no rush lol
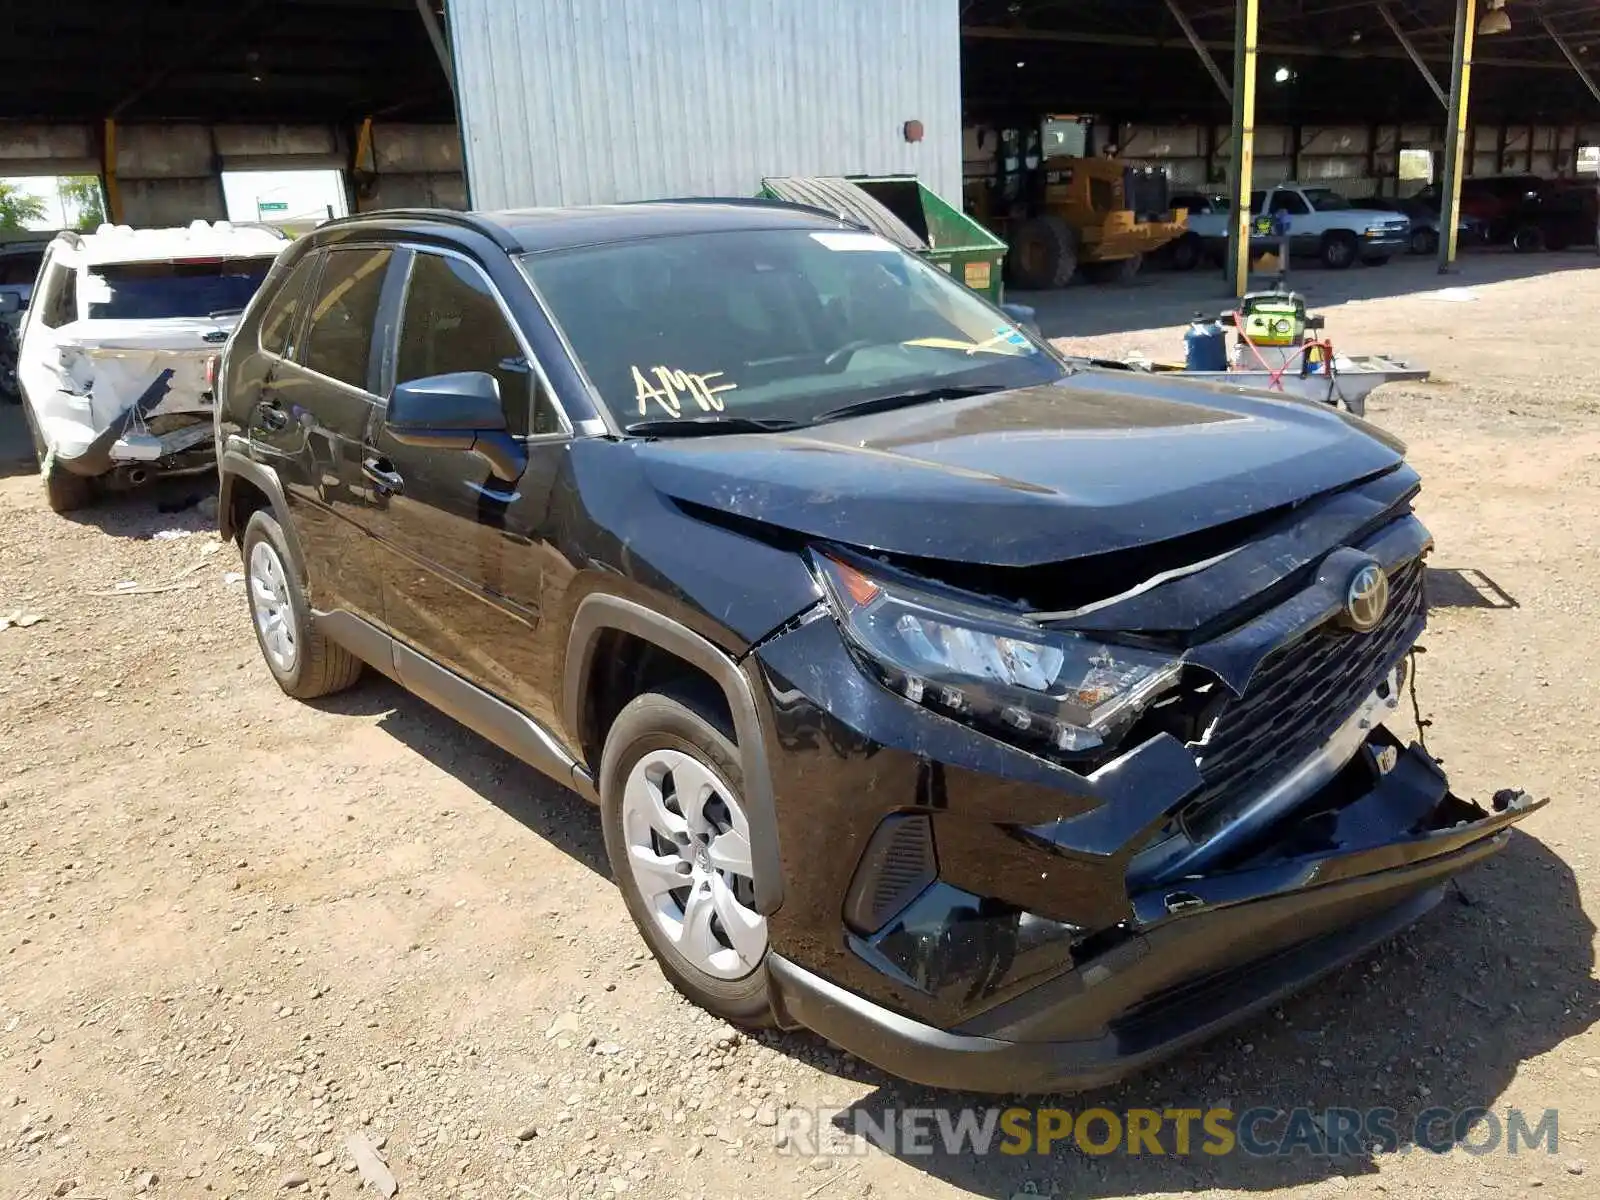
(271, 415)
(381, 472)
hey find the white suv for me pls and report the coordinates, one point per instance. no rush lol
(114, 350)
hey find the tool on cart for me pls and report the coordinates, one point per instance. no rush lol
(1273, 353)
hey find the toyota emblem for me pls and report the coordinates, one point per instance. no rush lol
(1367, 598)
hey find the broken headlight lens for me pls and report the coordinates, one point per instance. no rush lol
(1060, 689)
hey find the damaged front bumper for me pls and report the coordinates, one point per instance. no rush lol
(970, 916)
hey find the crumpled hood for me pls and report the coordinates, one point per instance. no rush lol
(1100, 462)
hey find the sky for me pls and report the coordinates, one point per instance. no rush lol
(249, 195)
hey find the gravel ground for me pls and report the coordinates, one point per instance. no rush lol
(236, 930)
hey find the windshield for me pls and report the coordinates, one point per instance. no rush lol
(1325, 200)
(153, 290)
(777, 325)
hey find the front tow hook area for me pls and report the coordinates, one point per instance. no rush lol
(1356, 826)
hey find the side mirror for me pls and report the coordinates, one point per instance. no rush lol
(10, 304)
(460, 411)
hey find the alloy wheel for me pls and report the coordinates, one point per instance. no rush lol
(688, 844)
(269, 605)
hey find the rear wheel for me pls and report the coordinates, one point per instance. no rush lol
(1339, 250)
(1424, 241)
(1043, 254)
(1122, 270)
(63, 491)
(678, 838)
(303, 661)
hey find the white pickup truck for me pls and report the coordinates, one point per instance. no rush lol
(1321, 222)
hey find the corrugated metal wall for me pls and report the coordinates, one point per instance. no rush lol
(592, 101)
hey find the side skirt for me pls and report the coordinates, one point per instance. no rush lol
(511, 729)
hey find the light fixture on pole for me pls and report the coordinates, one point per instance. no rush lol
(1495, 20)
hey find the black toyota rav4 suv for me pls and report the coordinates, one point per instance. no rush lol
(1007, 721)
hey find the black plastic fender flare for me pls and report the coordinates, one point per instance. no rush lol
(234, 465)
(600, 612)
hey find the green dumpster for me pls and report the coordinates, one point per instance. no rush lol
(902, 209)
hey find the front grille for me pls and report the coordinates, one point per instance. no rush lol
(1299, 696)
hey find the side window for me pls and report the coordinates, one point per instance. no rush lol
(280, 320)
(339, 338)
(451, 322)
(1256, 201)
(1290, 202)
(59, 303)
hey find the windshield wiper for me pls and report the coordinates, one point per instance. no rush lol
(861, 408)
(699, 426)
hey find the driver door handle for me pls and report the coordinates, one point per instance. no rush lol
(381, 472)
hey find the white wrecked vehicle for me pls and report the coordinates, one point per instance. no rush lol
(117, 345)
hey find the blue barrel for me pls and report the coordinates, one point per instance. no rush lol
(1205, 346)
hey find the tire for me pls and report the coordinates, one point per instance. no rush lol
(1340, 250)
(309, 665)
(1043, 254)
(1186, 252)
(1121, 270)
(1424, 241)
(64, 492)
(1527, 239)
(670, 740)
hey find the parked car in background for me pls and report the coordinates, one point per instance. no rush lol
(1190, 250)
(1494, 200)
(1008, 722)
(1322, 222)
(20, 256)
(1558, 218)
(1423, 235)
(113, 351)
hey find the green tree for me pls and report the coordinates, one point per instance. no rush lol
(82, 196)
(18, 208)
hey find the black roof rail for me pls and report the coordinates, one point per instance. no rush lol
(759, 202)
(443, 216)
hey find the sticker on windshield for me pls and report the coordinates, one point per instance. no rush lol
(853, 241)
(1010, 334)
(674, 385)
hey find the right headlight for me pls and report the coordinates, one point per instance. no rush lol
(1071, 692)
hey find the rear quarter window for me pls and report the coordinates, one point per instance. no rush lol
(279, 321)
(338, 340)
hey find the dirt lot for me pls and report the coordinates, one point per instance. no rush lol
(235, 928)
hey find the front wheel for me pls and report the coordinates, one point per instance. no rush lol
(678, 838)
(1424, 241)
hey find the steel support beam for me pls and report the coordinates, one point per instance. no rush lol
(108, 172)
(1455, 138)
(1242, 165)
(1411, 53)
(430, 22)
(1202, 50)
(1577, 65)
